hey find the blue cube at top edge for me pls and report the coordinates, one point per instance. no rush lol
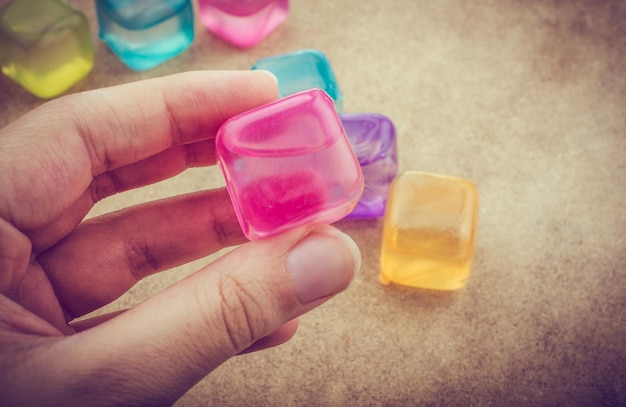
(373, 139)
(145, 33)
(303, 70)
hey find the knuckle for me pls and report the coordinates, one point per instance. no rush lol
(243, 316)
(220, 233)
(140, 259)
(104, 185)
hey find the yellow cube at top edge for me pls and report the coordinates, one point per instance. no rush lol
(45, 45)
(429, 233)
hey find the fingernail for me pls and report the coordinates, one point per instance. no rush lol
(269, 74)
(323, 263)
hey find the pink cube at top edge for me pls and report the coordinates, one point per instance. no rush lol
(289, 163)
(243, 23)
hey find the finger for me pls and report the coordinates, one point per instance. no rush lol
(165, 345)
(106, 256)
(156, 168)
(153, 169)
(276, 338)
(14, 256)
(18, 320)
(22, 281)
(65, 143)
(88, 323)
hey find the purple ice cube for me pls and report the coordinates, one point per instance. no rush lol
(373, 138)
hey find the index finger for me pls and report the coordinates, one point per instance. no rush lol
(147, 117)
(55, 151)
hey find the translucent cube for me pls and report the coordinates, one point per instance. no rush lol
(373, 138)
(429, 232)
(45, 45)
(243, 23)
(289, 163)
(302, 70)
(145, 33)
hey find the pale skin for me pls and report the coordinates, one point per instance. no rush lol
(56, 163)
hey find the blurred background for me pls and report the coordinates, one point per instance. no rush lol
(525, 98)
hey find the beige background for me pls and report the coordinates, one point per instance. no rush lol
(525, 98)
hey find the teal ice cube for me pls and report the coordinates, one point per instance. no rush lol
(145, 33)
(303, 70)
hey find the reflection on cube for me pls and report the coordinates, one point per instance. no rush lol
(287, 164)
(45, 46)
(373, 138)
(242, 23)
(145, 33)
(303, 70)
(429, 232)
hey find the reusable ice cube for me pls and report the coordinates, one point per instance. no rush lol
(45, 45)
(302, 70)
(243, 23)
(429, 232)
(373, 138)
(288, 163)
(145, 33)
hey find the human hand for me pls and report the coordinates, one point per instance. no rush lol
(56, 162)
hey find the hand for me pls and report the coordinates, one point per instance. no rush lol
(60, 159)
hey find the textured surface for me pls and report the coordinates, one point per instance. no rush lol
(528, 100)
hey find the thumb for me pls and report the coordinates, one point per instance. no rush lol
(167, 344)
